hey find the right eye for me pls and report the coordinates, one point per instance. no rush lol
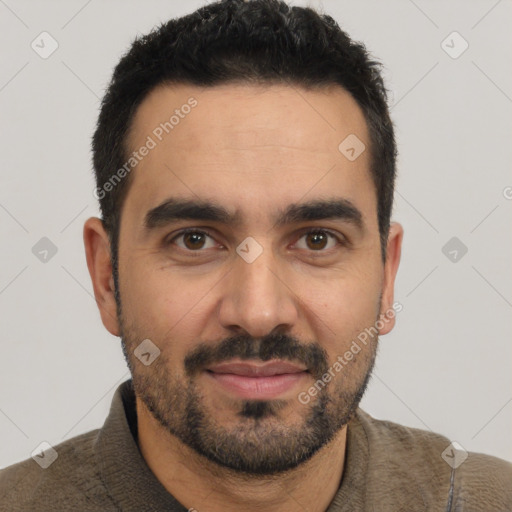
(193, 239)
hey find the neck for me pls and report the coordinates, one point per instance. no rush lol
(199, 484)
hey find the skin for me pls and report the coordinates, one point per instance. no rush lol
(256, 149)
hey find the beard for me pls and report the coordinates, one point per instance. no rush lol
(260, 441)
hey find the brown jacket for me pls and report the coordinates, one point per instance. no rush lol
(388, 467)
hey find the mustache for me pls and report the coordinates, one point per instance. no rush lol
(273, 346)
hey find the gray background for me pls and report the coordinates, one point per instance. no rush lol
(447, 364)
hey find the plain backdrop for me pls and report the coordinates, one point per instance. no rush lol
(447, 364)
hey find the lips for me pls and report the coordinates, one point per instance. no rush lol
(257, 381)
(253, 370)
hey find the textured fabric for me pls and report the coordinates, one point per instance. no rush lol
(388, 467)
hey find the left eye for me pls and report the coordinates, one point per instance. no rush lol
(318, 239)
(315, 239)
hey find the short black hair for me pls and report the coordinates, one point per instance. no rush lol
(237, 41)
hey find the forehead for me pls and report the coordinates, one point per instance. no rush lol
(249, 145)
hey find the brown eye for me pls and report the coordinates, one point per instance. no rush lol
(193, 240)
(318, 240)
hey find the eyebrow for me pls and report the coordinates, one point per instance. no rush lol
(175, 209)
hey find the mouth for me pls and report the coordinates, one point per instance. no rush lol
(257, 381)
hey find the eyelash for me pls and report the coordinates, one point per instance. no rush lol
(341, 241)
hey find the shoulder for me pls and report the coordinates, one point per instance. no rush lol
(428, 461)
(71, 480)
(483, 480)
(407, 443)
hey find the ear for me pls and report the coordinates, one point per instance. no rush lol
(97, 250)
(394, 250)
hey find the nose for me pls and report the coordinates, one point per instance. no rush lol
(258, 297)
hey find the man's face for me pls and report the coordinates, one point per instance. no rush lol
(227, 299)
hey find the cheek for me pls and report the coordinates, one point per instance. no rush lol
(161, 302)
(345, 308)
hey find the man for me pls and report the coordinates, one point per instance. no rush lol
(245, 166)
